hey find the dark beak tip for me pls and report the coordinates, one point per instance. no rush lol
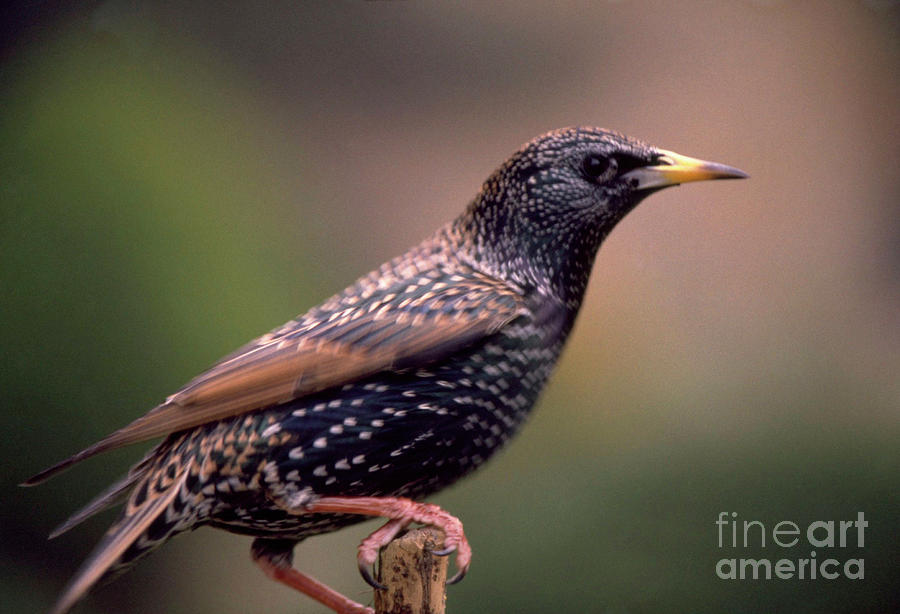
(724, 171)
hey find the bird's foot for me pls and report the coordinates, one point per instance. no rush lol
(401, 513)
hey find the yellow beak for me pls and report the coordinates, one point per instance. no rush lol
(672, 169)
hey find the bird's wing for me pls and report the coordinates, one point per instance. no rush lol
(404, 325)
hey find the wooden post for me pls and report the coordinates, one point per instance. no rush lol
(416, 579)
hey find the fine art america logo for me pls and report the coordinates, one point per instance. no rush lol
(845, 537)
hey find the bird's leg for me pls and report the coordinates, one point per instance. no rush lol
(400, 512)
(275, 557)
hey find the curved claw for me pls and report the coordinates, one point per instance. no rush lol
(444, 551)
(460, 574)
(367, 576)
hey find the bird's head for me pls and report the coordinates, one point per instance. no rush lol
(541, 217)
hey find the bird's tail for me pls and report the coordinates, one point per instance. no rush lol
(134, 534)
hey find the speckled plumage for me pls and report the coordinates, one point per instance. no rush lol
(401, 384)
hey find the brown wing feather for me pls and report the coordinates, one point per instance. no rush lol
(297, 363)
(115, 543)
(106, 499)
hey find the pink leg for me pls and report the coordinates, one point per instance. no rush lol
(278, 567)
(400, 512)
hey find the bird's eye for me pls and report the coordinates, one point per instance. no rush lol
(595, 165)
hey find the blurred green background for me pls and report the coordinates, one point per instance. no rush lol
(177, 178)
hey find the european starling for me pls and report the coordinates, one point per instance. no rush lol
(395, 388)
